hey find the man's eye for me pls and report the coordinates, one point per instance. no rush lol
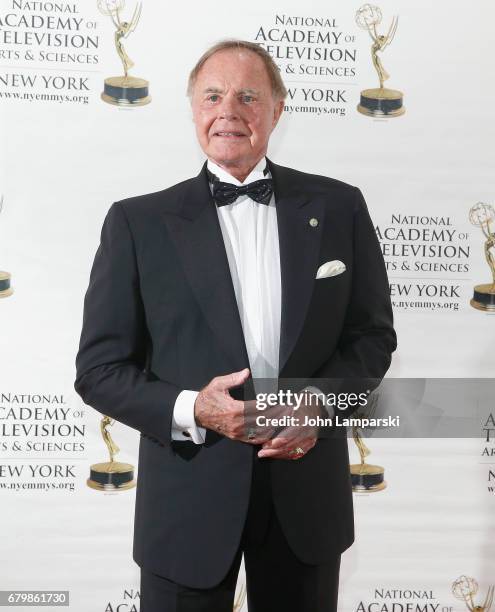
(213, 98)
(247, 98)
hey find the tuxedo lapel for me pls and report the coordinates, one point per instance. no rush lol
(300, 218)
(196, 233)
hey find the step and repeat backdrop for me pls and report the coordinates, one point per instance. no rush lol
(396, 98)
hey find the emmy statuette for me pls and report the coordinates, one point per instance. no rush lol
(366, 478)
(123, 90)
(483, 215)
(111, 475)
(380, 101)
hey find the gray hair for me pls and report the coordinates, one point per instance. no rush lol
(278, 88)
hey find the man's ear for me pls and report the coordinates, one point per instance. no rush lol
(279, 107)
(191, 108)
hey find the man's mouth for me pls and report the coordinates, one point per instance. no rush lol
(230, 134)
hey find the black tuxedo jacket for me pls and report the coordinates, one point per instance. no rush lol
(160, 316)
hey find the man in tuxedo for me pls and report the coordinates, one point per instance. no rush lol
(199, 290)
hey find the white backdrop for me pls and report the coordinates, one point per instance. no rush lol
(64, 161)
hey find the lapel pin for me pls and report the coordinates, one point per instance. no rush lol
(313, 222)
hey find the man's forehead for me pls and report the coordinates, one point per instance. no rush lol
(234, 56)
(234, 67)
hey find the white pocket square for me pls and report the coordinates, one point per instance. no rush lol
(330, 268)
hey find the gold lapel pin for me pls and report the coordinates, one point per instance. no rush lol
(313, 222)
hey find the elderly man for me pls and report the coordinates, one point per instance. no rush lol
(199, 289)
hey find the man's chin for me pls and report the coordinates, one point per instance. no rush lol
(228, 158)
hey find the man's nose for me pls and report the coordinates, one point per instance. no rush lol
(229, 108)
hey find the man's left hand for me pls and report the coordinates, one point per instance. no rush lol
(294, 442)
(282, 447)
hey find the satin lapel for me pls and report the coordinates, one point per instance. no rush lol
(300, 216)
(195, 231)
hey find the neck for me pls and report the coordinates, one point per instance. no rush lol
(238, 171)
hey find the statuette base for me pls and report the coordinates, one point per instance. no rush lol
(111, 476)
(367, 478)
(484, 297)
(382, 102)
(5, 288)
(126, 91)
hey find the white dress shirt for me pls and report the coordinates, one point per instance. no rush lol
(250, 235)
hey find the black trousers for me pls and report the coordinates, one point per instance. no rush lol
(275, 578)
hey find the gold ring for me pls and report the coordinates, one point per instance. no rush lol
(297, 451)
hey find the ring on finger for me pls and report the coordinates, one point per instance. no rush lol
(296, 452)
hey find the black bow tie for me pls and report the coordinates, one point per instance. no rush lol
(227, 193)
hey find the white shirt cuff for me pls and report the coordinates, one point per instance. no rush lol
(184, 426)
(323, 399)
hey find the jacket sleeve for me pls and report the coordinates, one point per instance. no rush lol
(111, 361)
(368, 339)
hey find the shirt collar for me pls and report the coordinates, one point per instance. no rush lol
(255, 175)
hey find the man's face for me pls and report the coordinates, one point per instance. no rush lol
(234, 110)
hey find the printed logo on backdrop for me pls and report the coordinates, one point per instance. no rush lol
(317, 59)
(401, 600)
(386, 599)
(427, 260)
(49, 51)
(42, 440)
(488, 451)
(128, 602)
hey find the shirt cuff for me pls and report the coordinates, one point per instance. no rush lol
(323, 399)
(184, 426)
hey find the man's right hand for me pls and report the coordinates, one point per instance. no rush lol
(216, 409)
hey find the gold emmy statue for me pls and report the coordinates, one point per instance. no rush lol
(464, 588)
(5, 288)
(483, 215)
(381, 101)
(111, 475)
(366, 478)
(123, 90)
